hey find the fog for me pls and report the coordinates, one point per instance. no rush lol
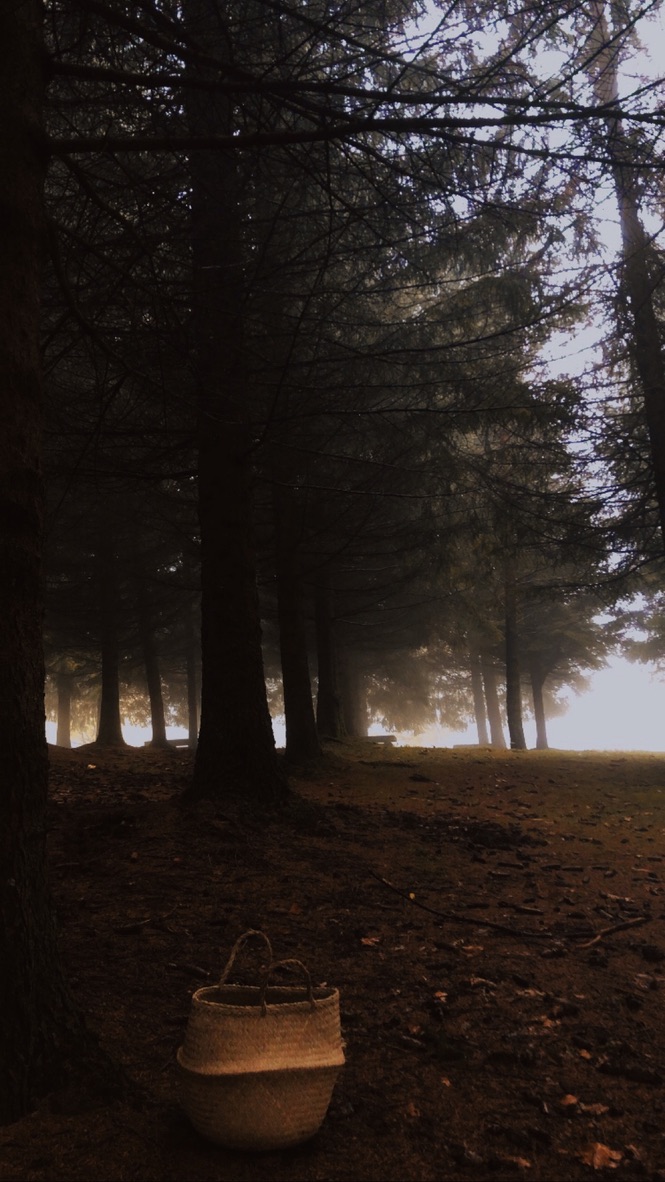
(624, 710)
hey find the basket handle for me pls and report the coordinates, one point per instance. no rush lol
(240, 942)
(277, 964)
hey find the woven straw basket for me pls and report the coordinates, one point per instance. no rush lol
(259, 1062)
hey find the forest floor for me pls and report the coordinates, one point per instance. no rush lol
(494, 923)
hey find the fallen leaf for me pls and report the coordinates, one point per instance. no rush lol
(370, 941)
(472, 949)
(585, 1054)
(568, 1101)
(601, 1157)
(92, 765)
(411, 1109)
(522, 1162)
(411, 895)
(415, 1029)
(446, 1082)
(594, 1109)
(441, 996)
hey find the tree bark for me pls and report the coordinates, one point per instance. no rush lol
(329, 717)
(41, 1036)
(63, 683)
(151, 664)
(109, 729)
(302, 741)
(354, 701)
(497, 738)
(646, 330)
(513, 669)
(478, 698)
(192, 683)
(236, 748)
(538, 679)
(647, 346)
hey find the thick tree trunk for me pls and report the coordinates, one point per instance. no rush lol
(40, 1034)
(329, 717)
(478, 698)
(353, 698)
(537, 684)
(109, 729)
(192, 683)
(513, 669)
(647, 339)
(647, 348)
(151, 665)
(497, 738)
(236, 749)
(302, 741)
(63, 683)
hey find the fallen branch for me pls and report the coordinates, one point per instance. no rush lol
(127, 929)
(194, 970)
(453, 917)
(616, 927)
(520, 933)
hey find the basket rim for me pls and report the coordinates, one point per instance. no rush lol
(219, 997)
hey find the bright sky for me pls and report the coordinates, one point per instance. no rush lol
(623, 711)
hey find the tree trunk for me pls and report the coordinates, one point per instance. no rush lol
(478, 698)
(236, 749)
(302, 741)
(329, 718)
(513, 670)
(354, 702)
(109, 730)
(40, 1034)
(647, 348)
(151, 665)
(537, 684)
(497, 738)
(646, 330)
(63, 683)
(192, 683)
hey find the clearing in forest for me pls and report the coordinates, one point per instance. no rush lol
(494, 922)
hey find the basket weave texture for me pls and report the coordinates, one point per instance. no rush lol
(259, 1062)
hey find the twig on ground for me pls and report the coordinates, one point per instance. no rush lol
(615, 927)
(453, 917)
(520, 933)
(128, 928)
(193, 970)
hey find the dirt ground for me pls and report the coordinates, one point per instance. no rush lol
(494, 923)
